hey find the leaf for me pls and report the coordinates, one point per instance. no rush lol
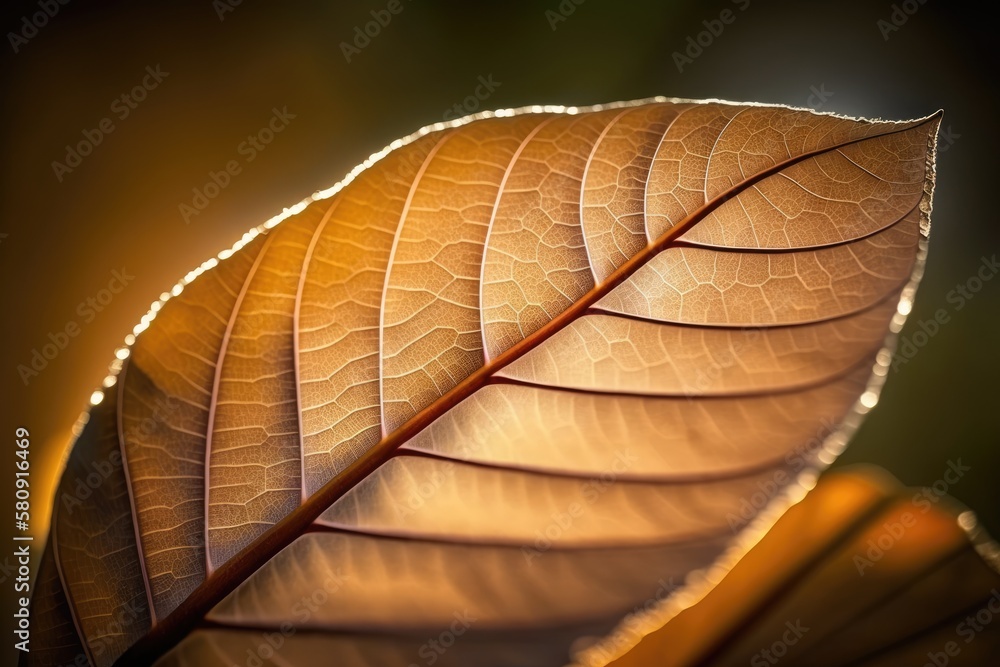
(862, 572)
(520, 367)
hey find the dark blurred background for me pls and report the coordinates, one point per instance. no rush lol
(225, 65)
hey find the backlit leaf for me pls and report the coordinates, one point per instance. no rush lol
(504, 379)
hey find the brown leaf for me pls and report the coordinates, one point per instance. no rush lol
(862, 572)
(520, 367)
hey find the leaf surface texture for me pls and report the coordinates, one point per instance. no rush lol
(519, 369)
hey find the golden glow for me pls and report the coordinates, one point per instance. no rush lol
(869, 399)
(696, 580)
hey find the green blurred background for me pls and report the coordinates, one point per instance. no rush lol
(230, 64)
